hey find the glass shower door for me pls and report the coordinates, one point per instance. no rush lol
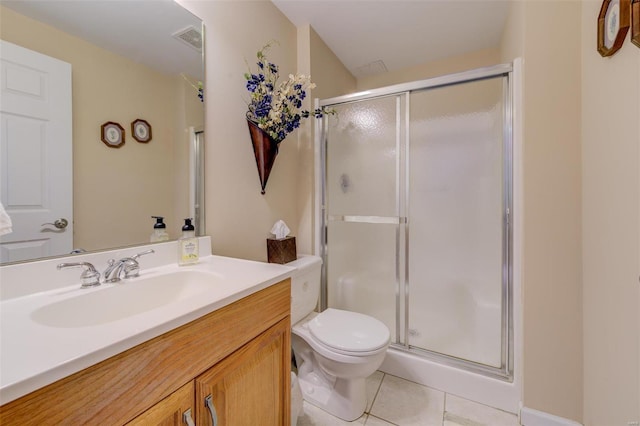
(456, 215)
(417, 200)
(362, 208)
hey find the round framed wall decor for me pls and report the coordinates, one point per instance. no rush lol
(613, 25)
(112, 134)
(141, 130)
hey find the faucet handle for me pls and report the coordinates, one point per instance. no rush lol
(143, 253)
(90, 277)
(132, 267)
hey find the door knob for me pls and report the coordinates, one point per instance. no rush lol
(60, 223)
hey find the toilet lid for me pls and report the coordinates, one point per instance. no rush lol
(349, 331)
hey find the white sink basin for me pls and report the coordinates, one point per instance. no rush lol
(125, 299)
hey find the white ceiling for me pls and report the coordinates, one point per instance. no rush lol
(140, 30)
(400, 33)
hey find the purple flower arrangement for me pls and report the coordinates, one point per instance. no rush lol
(277, 107)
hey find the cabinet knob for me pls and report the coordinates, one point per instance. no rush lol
(208, 402)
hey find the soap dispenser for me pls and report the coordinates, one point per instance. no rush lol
(188, 245)
(159, 230)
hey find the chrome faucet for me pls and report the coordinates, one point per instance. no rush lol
(127, 266)
(90, 277)
(114, 270)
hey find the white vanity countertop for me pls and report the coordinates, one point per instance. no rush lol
(33, 355)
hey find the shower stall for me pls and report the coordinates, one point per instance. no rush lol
(416, 227)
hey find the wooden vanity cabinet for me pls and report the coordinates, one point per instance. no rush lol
(247, 388)
(239, 355)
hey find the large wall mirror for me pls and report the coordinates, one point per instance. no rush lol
(70, 67)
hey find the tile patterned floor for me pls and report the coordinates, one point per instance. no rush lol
(395, 401)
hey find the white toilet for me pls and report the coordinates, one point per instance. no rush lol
(335, 350)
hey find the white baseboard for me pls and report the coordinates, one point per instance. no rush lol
(531, 417)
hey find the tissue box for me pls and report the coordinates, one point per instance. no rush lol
(281, 251)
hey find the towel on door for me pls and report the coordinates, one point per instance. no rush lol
(5, 221)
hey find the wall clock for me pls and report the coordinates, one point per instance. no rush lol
(141, 130)
(112, 134)
(613, 25)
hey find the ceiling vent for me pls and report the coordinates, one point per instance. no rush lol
(375, 67)
(191, 37)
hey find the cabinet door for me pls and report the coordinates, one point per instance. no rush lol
(251, 386)
(170, 411)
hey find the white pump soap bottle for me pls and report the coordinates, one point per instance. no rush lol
(159, 230)
(188, 250)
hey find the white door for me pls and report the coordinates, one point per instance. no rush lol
(36, 174)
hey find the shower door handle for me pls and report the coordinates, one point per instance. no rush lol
(391, 220)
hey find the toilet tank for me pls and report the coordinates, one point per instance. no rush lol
(305, 286)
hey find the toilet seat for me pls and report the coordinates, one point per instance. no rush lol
(349, 333)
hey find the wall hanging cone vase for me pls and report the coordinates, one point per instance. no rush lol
(265, 149)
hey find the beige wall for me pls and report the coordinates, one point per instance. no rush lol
(548, 36)
(238, 217)
(328, 72)
(305, 200)
(611, 226)
(466, 62)
(512, 42)
(115, 190)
